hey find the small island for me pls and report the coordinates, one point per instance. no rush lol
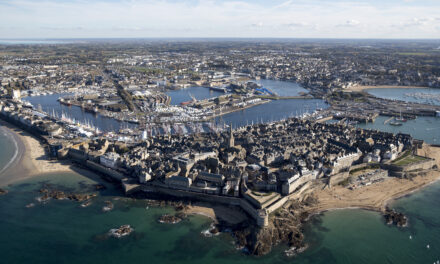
(120, 232)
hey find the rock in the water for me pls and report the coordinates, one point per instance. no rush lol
(60, 195)
(122, 231)
(108, 206)
(86, 204)
(100, 187)
(213, 230)
(393, 217)
(169, 219)
(293, 251)
(80, 197)
(3, 192)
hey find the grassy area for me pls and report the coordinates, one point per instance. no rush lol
(408, 160)
(368, 167)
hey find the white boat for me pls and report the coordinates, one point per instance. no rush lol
(27, 104)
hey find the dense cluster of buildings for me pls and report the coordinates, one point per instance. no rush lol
(155, 65)
(262, 165)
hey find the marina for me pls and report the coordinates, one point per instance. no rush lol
(51, 105)
(430, 96)
(268, 112)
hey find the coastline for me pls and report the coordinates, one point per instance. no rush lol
(361, 88)
(30, 159)
(376, 197)
(372, 198)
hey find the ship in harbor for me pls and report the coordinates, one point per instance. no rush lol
(400, 118)
(64, 101)
(91, 109)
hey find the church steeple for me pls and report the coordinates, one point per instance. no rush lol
(231, 142)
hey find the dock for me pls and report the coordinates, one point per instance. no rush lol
(388, 120)
(219, 89)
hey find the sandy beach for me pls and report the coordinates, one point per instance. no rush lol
(217, 213)
(361, 88)
(376, 196)
(30, 158)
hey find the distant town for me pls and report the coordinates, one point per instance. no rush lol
(183, 151)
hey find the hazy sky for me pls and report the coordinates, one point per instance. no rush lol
(212, 18)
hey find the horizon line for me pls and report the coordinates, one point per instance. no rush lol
(239, 38)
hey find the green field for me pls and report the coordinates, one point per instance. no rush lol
(406, 160)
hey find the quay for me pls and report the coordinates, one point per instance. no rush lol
(388, 120)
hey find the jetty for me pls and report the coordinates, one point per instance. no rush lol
(388, 120)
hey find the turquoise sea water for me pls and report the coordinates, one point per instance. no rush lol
(63, 232)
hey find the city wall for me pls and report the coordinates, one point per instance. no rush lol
(23, 126)
(401, 171)
(260, 217)
(335, 179)
(104, 170)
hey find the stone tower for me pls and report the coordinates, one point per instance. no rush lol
(231, 141)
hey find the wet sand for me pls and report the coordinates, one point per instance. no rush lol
(217, 213)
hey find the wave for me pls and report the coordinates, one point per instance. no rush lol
(14, 157)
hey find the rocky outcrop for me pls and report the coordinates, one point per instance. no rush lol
(169, 219)
(285, 227)
(100, 187)
(122, 231)
(394, 218)
(108, 206)
(3, 192)
(60, 195)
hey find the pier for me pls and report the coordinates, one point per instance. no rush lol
(388, 120)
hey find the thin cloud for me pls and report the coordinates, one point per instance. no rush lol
(349, 23)
(214, 18)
